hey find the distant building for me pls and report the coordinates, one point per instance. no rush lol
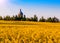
(20, 14)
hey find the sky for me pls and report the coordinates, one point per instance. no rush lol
(46, 8)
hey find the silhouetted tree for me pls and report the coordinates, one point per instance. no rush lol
(35, 18)
(31, 19)
(24, 18)
(42, 19)
(28, 19)
(13, 18)
(16, 17)
(7, 18)
(55, 19)
(49, 19)
(1, 18)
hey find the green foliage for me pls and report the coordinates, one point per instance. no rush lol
(12, 18)
(31, 19)
(28, 19)
(0, 17)
(7, 18)
(49, 19)
(42, 19)
(35, 18)
(55, 19)
(24, 18)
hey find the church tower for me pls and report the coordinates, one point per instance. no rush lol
(20, 14)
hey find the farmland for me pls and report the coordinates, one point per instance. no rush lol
(29, 32)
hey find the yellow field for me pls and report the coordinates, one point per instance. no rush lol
(29, 32)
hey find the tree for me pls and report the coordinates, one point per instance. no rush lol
(0, 17)
(24, 18)
(49, 19)
(31, 19)
(16, 17)
(13, 18)
(42, 19)
(55, 19)
(7, 18)
(28, 19)
(35, 18)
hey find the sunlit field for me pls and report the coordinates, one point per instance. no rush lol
(29, 32)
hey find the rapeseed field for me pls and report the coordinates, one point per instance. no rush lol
(29, 32)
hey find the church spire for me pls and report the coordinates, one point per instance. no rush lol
(20, 14)
(20, 10)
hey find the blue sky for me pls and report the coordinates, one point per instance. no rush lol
(44, 8)
(36, 2)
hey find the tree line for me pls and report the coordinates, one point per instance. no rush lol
(34, 18)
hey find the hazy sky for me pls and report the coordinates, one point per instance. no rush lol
(46, 8)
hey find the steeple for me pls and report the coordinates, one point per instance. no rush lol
(20, 14)
(20, 10)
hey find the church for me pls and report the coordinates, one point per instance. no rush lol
(20, 15)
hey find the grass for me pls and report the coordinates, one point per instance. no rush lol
(29, 32)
